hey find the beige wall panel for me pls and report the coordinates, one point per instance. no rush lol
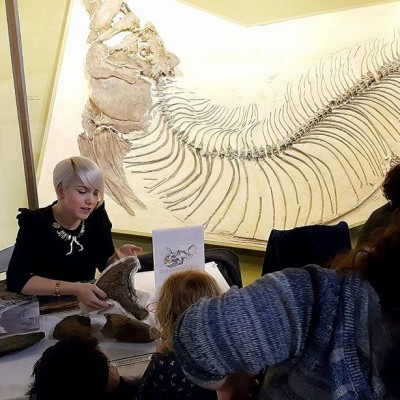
(241, 92)
(12, 180)
(258, 12)
(41, 23)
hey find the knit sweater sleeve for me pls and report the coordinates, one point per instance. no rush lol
(246, 329)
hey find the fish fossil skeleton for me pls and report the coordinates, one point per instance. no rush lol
(241, 171)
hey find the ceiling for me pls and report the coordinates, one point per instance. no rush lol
(260, 12)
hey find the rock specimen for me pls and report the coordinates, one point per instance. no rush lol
(18, 313)
(73, 325)
(126, 329)
(14, 343)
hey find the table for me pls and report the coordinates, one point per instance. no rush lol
(16, 369)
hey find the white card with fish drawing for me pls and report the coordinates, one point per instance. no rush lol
(175, 249)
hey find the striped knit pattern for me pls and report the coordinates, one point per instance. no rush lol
(321, 334)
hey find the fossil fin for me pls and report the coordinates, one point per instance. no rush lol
(108, 150)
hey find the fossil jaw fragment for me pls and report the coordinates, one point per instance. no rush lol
(117, 281)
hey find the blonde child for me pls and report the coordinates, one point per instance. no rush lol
(164, 378)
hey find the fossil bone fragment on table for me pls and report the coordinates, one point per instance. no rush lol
(14, 343)
(72, 325)
(126, 329)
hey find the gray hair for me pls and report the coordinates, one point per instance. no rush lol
(66, 172)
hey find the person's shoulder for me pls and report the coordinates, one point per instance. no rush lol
(293, 281)
(27, 216)
(329, 283)
(314, 276)
(322, 273)
(307, 272)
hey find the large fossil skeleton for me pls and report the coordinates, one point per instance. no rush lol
(238, 171)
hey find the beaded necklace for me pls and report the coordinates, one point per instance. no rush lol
(71, 238)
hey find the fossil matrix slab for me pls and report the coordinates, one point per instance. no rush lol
(238, 129)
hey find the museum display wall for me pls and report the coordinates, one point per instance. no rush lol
(239, 129)
(216, 115)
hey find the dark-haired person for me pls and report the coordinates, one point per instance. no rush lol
(76, 369)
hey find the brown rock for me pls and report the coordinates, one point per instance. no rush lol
(16, 343)
(73, 325)
(126, 329)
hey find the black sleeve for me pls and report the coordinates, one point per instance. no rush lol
(106, 246)
(26, 251)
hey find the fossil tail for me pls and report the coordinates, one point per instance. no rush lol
(108, 150)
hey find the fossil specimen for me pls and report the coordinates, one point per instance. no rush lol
(126, 329)
(18, 313)
(51, 304)
(120, 78)
(73, 325)
(14, 343)
(241, 171)
(117, 281)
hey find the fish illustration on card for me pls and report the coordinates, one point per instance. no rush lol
(175, 249)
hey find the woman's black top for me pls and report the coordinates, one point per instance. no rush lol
(45, 249)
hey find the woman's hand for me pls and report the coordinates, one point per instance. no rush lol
(237, 387)
(127, 250)
(90, 295)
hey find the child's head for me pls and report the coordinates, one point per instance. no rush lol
(67, 171)
(74, 368)
(179, 291)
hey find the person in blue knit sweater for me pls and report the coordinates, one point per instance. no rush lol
(323, 333)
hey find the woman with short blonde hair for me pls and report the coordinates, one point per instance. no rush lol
(59, 247)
